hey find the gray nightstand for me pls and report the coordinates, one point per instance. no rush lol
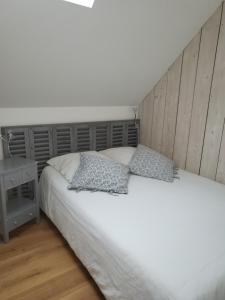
(16, 211)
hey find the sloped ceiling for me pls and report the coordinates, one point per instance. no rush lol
(54, 53)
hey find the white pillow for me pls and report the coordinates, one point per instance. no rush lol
(67, 164)
(120, 154)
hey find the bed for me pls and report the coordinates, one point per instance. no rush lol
(162, 241)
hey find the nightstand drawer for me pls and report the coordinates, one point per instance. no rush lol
(29, 174)
(12, 180)
(19, 177)
(22, 218)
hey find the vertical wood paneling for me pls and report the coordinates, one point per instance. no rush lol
(150, 112)
(150, 118)
(188, 77)
(202, 91)
(144, 112)
(146, 117)
(189, 104)
(220, 176)
(172, 95)
(158, 113)
(216, 113)
(142, 120)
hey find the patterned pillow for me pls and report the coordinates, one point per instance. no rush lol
(67, 164)
(98, 173)
(149, 163)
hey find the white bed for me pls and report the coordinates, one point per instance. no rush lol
(161, 241)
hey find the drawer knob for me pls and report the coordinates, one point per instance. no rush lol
(31, 214)
(15, 222)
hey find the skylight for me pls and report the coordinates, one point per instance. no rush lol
(86, 3)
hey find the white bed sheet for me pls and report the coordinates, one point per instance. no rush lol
(161, 241)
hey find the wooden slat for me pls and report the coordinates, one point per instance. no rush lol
(216, 113)
(140, 116)
(83, 138)
(19, 144)
(102, 138)
(149, 112)
(62, 140)
(117, 134)
(172, 95)
(158, 113)
(202, 91)
(41, 145)
(132, 135)
(143, 112)
(188, 77)
(146, 119)
(220, 176)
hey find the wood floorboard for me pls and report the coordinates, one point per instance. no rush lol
(38, 264)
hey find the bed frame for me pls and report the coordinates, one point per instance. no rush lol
(42, 142)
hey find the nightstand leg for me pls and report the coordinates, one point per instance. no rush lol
(3, 212)
(38, 219)
(5, 236)
(36, 195)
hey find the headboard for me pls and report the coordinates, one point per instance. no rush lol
(41, 142)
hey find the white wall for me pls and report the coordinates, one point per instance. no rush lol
(52, 115)
(54, 53)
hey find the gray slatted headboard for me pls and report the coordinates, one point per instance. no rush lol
(43, 142)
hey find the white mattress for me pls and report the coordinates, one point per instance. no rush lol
(161, 241)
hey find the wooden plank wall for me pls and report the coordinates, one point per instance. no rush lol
(183, 116)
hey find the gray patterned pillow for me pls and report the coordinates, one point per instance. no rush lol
(97, 173)
(149, 163)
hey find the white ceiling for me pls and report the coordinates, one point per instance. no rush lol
(54, 53)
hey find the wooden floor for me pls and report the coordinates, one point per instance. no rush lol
(37, 264)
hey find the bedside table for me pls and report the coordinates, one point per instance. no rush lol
(14, 212)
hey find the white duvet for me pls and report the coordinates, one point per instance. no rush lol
(161, 241)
